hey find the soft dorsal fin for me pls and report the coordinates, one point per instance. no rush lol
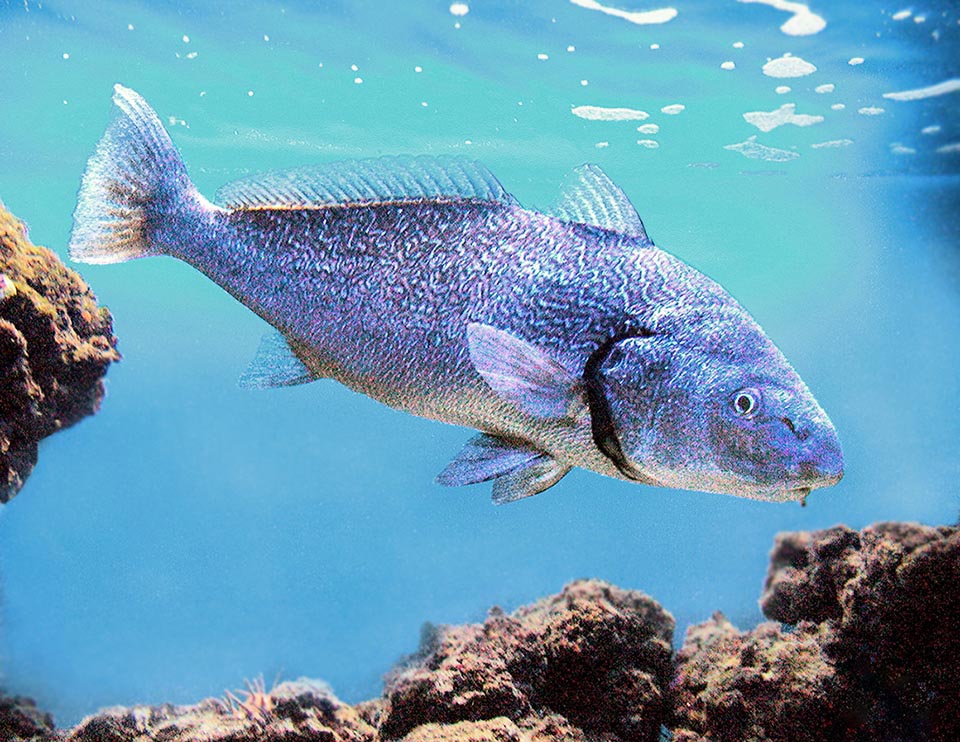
(380, 180)
(590, 197)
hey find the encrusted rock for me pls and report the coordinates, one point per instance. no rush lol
(607, 658)
(500, 729)
(872, 655)
(21, 719)
(301, 711)
(755, 686)
(596, 655)
(891, 598)
(55, 346)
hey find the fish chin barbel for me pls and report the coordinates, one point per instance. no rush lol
(567, 338)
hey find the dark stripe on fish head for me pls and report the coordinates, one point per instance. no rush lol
(601, 416)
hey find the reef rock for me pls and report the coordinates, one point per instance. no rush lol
(754, 686)
(301, 711)
(890, 597)
(873, 653)
(20, 719)
(595, 657)
(55, 346)
(870, 652)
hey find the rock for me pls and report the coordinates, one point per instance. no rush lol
(806, 573)
(753, 686)
(608, 658)
(869, 653)
(55, 346)
(21, 719)
(890, 595)
(301, 711)
(595, 655)
(500, 729)
(462, 673)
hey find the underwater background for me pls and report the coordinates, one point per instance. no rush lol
(193, 533)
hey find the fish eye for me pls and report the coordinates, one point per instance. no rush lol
(746, 402)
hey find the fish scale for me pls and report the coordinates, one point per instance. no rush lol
(566, 339)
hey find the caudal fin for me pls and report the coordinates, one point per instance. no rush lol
(133, 180)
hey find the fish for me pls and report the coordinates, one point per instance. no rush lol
(564, 338)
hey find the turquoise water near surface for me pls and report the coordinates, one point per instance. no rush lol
(193, 533)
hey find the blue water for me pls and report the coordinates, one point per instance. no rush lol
(193, 534)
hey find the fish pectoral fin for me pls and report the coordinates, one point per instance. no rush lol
(275, 364)
(590, 197)
(523, 374)
(519, 469)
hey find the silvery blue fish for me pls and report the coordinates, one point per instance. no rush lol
(567, 339)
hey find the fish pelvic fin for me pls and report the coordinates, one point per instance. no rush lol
(133, 179)
(275, 364)
(518, 469)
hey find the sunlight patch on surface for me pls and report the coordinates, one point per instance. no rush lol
(640, 17)
(832, 144)
(788, 66)
(756, 151)
(786, 114)
(803, 22)
(941, 88)
(599, 113)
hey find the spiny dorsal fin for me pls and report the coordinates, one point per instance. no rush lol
(590, 197)
(380, 180)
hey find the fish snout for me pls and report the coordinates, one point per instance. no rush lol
(822, 462)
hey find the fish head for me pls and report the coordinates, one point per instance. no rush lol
(707, 402)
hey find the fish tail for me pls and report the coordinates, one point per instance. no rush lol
(134, 185)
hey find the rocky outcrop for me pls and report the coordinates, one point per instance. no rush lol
(55, 346)
(594, 657)
(20, 719)
(873, 652)
(751, 686)
(864, 648)
(889, 596)
(301, 711)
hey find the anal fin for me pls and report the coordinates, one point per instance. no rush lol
(519, 470)
(275, 364)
